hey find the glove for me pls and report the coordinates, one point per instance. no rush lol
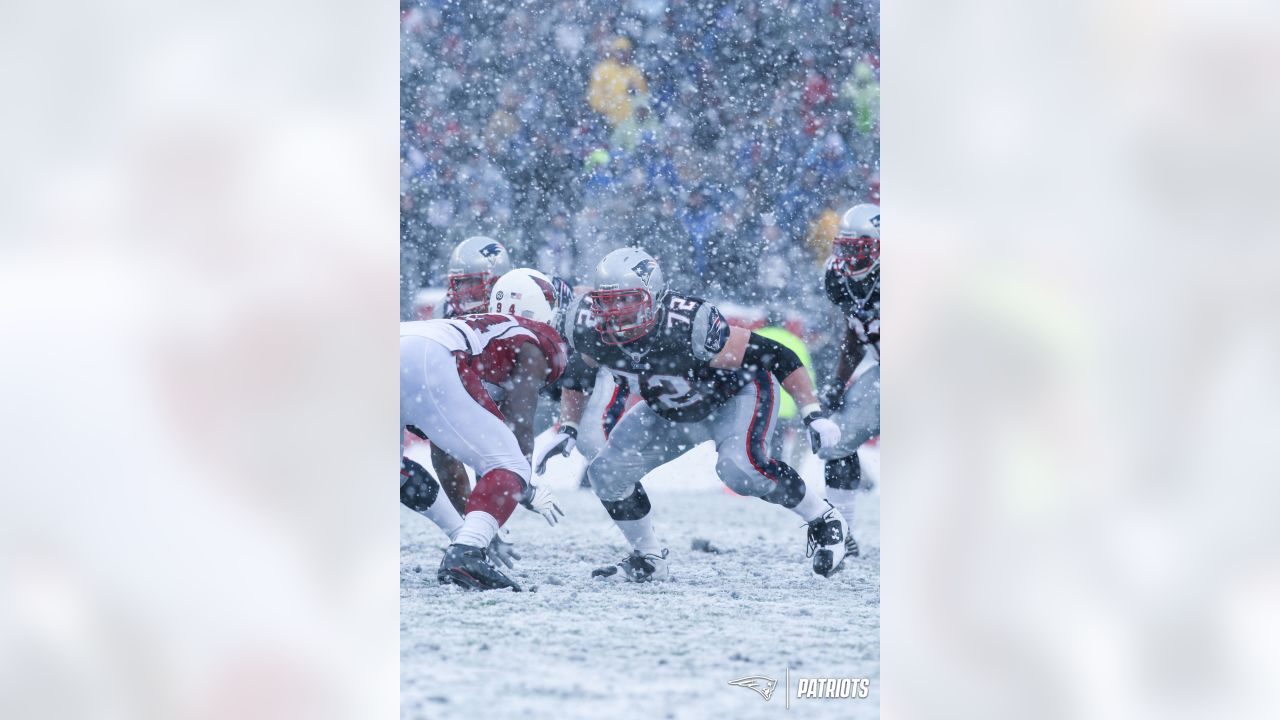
(502, 550)
(832, 396)
(562, 443)
(822, 432)
(541, 500)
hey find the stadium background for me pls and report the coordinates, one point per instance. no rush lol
(724, 137)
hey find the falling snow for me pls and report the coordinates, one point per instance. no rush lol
(726, 138)
(584, 648)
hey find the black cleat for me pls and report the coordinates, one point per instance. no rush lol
(469, 567)
(637, 568)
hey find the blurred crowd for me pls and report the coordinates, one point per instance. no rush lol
(723, 136)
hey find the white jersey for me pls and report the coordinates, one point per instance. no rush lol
(455, 335)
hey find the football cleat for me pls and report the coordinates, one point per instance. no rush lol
(827, 542)
(469, 567)
(850, 546)
(637, 568)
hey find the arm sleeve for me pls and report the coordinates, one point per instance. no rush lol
(772, 356)
(709, 333)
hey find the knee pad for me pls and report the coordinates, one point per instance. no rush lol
(789, 491)
(776, 482)
(633, 507)
(419, 489)
(844, 473)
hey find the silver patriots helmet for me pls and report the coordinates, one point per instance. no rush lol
(625, 299)
(856, 250)
(475, 265)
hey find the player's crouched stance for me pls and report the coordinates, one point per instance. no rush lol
(421, 492)
(443, 367)
(700, 380)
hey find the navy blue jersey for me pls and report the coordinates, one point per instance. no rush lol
(669, 366)
(859, 301)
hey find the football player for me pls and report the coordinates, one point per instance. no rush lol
(474, 267)
(700, 380)
(604, 402)
(444, 366)
(852, 280)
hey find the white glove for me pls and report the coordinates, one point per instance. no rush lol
(822, 432)
(541, 500)
(502, 550)
(562, 443)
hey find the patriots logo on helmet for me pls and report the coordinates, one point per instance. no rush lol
(875, 221)
(644, 269)
(758, 683)
(492, 250)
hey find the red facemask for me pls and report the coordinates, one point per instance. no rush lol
(469, 293)
(855, 256)
(622, 316)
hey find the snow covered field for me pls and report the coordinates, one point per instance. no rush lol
(575, 647)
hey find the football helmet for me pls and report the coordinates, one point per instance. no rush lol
(856, 250)
(475, 265)
(625, 299)
(527, 293)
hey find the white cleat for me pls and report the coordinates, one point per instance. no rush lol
(827, 542)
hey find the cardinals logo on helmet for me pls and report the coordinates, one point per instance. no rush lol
(547, 291)
(644, 269)
(759, 683)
